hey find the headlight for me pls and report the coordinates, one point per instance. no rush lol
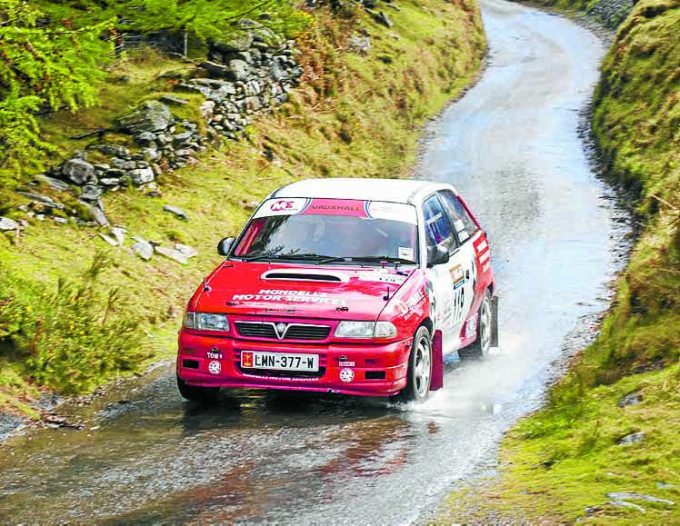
(385, 329)
(203, 321)
(365, 329)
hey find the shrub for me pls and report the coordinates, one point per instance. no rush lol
(73, 336)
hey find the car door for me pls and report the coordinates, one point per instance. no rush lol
(464, 258)
(445, 299)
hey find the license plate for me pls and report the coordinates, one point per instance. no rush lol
(278, 361)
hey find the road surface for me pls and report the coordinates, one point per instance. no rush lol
(512, 147)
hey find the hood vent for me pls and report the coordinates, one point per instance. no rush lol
(305, 275)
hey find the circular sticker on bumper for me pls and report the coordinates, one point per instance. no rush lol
(214, 367)
(346, 375)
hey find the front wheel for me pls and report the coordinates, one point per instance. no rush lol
(419, 368)
(196, 393)
(481, 347)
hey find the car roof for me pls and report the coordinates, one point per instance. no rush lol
(391, 190)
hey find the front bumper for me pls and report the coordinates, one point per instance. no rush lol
(378, 369)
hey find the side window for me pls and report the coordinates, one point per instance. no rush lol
(462, 222)
(438, 228)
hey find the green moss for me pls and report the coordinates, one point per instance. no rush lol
(380, 107)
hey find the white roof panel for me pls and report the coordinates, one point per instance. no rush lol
(391, 190)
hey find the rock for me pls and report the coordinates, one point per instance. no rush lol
(54, 184)
(43, 200)
(181, 139)
(150, 154)
(108, 239)
(253, 103)
(118, 233)
(184, 152)
(7, 224)
(151, 116)
(173, 254)
(239, 69)
(176, 211)
(60, 220)
(151, 190)
(216, 69)
(91, 192)
(143, 248)
(241, 42)
(96, 213)
(78, 171)
(187, 251)
(207, 108)
(142, 176)
(359, 44)
(145, 138)
(173, 100)
(121, 164)
(630, 399)
(633, 438)
(111, 149)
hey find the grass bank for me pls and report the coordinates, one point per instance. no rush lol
(605, 447)
(354, 115)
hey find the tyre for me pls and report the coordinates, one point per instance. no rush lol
(198, 394)
(419, 368)
(482, 345)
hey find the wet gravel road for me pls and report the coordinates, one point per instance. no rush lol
(512, 147)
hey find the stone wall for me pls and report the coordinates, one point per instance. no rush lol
(239, 79)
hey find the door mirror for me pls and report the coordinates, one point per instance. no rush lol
(224, 246)
(437, 255)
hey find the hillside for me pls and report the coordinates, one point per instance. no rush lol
(604, 449)
(359, 84)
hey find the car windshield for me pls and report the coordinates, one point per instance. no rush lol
(326, 233)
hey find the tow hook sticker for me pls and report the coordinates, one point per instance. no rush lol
(214, 367)
(346, 375)
(347, 364)
(214, 354)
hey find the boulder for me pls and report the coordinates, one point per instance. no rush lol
(630, 399)
(241, 42)
(359, 44)
(141, 176)
(173, 254)
(145, 138)
(7, 224)
(54, 184)
(91, 192)
(44, 200)
(180, 139)
(633, 438)
(150, 116)
(96, 213)
(239, 69)
(118, 233)
(176, 211)
(78, 171)
(121, 164)
(143, 248)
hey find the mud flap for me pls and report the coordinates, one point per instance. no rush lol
(494, 321)
(437, 380)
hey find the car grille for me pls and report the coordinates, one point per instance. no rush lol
(295, 331)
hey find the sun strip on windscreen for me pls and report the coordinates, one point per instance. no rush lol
(338, 207)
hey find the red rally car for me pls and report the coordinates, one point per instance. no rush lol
(353, 286)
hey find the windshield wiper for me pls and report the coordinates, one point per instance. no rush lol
(317, 258)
